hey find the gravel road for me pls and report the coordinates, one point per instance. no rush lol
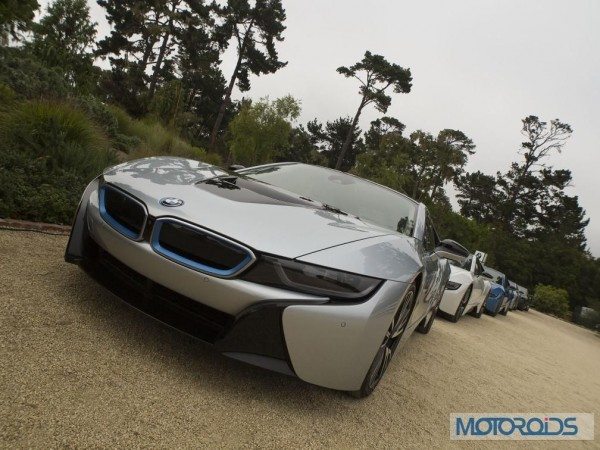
(80, 368)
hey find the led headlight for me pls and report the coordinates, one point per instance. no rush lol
(452, 285)
(316, 280)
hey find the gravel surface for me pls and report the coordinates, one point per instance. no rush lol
(80, 368)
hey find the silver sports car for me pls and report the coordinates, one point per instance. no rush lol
(296, 268)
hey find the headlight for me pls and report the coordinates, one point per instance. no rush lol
(452, 286)
(316, 280)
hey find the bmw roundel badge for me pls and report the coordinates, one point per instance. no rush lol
(171, 201)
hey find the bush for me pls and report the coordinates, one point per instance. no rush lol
(48, 152)
(28, 78)
(61, 134)
(552, 300)
(150, 138)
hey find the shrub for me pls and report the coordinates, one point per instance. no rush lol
(48, 152)
(552, 300)
(58, 132)
(28, 78)
(150, 138)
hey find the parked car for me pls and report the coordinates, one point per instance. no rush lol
(513, 295)
(466, 290)
(523, 303)
(497, 301)
(295, 268)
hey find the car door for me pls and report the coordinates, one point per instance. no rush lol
(478, 281)
(432, 271)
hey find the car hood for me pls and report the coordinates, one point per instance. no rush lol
(459, 274)
(261, 216)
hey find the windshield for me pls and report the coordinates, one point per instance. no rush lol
(350, 194)
(498, 276)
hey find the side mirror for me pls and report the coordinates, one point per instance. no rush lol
(236, 167)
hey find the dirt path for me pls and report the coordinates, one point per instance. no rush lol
(80, 368)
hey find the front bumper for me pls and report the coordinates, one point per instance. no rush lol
(331, 345)
(451, 300)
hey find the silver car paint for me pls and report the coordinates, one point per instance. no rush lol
(334, 345)
(228, 295)
(263, 227)
(322, 350)
(392, 257)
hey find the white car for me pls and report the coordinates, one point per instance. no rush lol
(466, 290)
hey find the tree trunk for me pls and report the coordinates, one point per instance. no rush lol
(350, 135)
(225, 103)
(417, 185)
(161, 53)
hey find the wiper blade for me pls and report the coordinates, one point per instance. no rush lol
(333, 209)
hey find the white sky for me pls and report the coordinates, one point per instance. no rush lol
(478, 65)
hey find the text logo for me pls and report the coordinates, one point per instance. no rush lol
(522, 426)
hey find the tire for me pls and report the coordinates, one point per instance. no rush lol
(425, 324)
(477, 314)
(390, 342)
(462, 305)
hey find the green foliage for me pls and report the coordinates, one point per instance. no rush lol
(48, 152)
(262, 129)
(7, 96)
(150, 138)
(255, 29)
(29, 190)
(63, 39)
(330, 139)
(552, 300)
(375, 75)
(16, 16)
(28, 77)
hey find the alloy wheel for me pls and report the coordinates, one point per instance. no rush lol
(391, 339)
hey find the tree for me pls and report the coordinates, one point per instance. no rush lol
(262, 129)
(203, 84)
(375, 75)
(330, 139)
(477, 196)
(436, 160)
(301, 148)
(255, 29)
(16, 16)
(386, 157)
(145, 43)
(64, 38)
(524, 186)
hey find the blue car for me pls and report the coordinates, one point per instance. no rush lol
(498, 299)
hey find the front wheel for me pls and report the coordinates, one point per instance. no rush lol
(388, 346)
(461, 306)
(477, 313)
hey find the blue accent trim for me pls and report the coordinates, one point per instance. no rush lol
(112, 221)
(191, 264)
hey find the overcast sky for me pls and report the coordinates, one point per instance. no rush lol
(479, 66)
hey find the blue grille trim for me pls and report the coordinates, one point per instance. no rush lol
(194, 265)
(115, 224)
